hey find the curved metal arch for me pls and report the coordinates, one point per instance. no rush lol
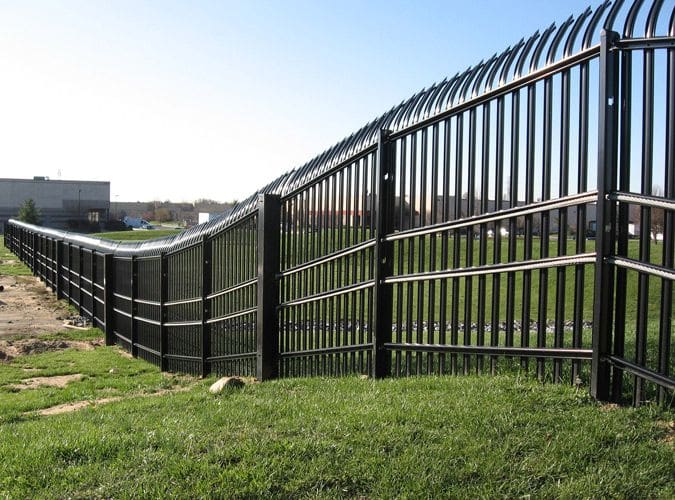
(402, 108)
(411, 109)
(371, 135)
(523, 55)
(534, 62)
(572, 37)
(562, 29)
(362, 134)
(433, 97)
(342, 151)
(631, 18)
(397, 124)
(487, 66)
(490, 79)
(671, 23)
(419, 108)
(300, 173)
(447, 92)
(509, 61)
(611, 16)
(590, 29)
(385, 120)
(467, 84)
(652, 18)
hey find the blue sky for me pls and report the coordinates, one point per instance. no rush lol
(184, 100)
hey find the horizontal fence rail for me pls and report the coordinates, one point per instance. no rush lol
(517, 215)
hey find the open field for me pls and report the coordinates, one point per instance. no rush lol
(137, 235)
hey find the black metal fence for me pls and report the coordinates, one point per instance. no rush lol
(485, 223)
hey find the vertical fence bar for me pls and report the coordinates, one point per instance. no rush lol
(108, 290)
(58, 282)
(69, 274)
(269, 212)
(623, 217)
(94, 307)
(33, 254)
(206, 290)
(163, 316)
(604, 243)
(665, 325)
(134, 306)
(383, 255)
(80, 308)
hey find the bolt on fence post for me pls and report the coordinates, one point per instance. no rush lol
(605, 214)
(206, 290)
(108, 291)
(267, 325)
(163, 297)
(384, 257)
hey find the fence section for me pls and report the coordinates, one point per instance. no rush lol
(519, 214)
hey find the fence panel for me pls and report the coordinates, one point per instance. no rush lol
(233, 300)
(184, 310)
(147, 317)
(326, 273)
(122, 302)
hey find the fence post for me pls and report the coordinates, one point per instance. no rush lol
(605, 214)
(383, 255)
(163, 297)
(206, 290)
(108, 298)
(269, 227)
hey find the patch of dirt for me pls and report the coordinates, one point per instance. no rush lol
(10, 349)
(77, 405)
(59, 381)
(28, 307)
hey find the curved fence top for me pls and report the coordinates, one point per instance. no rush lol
(550, 47)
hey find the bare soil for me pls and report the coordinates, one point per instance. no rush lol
(28, 307)
(59, 381)
(10, 349)
(74, 406)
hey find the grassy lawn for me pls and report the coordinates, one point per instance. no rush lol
(416, 437)
(136, 235)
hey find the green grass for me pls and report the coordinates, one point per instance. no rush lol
(136, 235)
(10, 265)
(345, 437)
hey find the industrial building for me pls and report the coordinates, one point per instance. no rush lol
(63, 204)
